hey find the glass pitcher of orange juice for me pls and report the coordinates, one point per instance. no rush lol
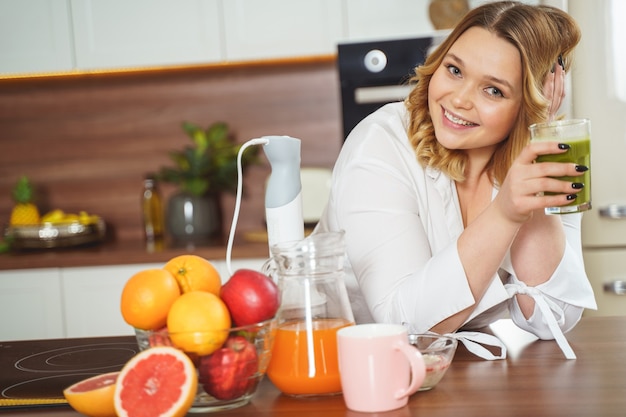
(314, 305)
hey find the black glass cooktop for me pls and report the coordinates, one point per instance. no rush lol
(35, 372)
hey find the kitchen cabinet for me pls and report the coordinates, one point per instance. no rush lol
(31, 304)
(595, 96)
(38, 36)
(35, 36)
(91, 298)
(608, 279)
(120, 34)
(281, 28)
(116, 34)
(368, 20)
(46, 303)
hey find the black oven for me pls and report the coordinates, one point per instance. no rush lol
(372, 74)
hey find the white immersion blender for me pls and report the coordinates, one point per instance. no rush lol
(283, 195)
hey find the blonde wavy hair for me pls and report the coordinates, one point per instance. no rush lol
(541, 34)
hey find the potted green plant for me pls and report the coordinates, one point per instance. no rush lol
(202, 171)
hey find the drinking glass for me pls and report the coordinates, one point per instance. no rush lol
(577, 134)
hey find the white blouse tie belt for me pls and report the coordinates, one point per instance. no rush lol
(474, 340)
(549, 310)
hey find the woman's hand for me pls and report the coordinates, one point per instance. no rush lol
(523, 188)
(554, 88)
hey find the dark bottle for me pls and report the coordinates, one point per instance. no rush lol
(152, 210)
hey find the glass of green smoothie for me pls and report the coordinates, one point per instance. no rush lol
(577, 134)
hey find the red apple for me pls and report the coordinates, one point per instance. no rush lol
(250, 296)
(230, 371)
(159, 338)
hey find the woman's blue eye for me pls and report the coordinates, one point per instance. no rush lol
(453, 70)
(493, 91)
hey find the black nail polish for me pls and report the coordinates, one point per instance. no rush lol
(577, 185)
(560, 61)
(553, 68)
(564, 146)
(581, 168)
(571, 197)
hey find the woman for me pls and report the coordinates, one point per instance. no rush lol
(439, 196)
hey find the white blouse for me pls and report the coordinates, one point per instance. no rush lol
(402, 223)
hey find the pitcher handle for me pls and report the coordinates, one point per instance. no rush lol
(269, 268)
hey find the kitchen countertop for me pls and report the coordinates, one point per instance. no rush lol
(122, 253)
(534, 380)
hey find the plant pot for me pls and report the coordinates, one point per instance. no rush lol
(194, 219)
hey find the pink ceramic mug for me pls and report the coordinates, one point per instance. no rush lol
(378, 367)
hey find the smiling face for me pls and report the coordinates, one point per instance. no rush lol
(476, 93)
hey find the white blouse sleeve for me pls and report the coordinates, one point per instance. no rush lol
(560, 301)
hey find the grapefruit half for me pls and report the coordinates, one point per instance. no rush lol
(93, 396)
(159, 381)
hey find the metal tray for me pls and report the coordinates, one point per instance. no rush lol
(55, 236)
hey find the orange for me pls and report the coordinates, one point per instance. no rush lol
(93, 396)
(198, 322)
(159, 381)
(147, 297)
(194, 273)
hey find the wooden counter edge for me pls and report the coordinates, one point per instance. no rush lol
(122, 253)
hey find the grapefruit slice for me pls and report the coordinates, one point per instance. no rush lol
(93, 396)
(159, 381)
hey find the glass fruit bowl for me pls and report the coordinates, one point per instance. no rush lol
(229, 376)
(437, 351)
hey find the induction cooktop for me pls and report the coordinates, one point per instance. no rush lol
(35, 372)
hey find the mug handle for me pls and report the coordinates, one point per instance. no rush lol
(418, 369)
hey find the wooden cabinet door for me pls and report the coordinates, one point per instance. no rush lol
(31, 304)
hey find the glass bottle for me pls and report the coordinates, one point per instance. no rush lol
(152, 211)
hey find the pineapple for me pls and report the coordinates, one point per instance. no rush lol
(25, 212)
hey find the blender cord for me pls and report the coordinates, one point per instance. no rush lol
(231, 236)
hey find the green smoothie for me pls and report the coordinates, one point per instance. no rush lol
(579, 153)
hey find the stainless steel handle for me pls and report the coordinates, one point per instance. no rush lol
(615, 287)
(613, 211)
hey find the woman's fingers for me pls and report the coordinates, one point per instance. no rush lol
(554, 89)
(556, 185)
(524, 190)
(540, 147)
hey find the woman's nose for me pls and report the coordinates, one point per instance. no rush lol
(462, 97)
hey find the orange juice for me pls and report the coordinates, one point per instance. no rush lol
(290, 368)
